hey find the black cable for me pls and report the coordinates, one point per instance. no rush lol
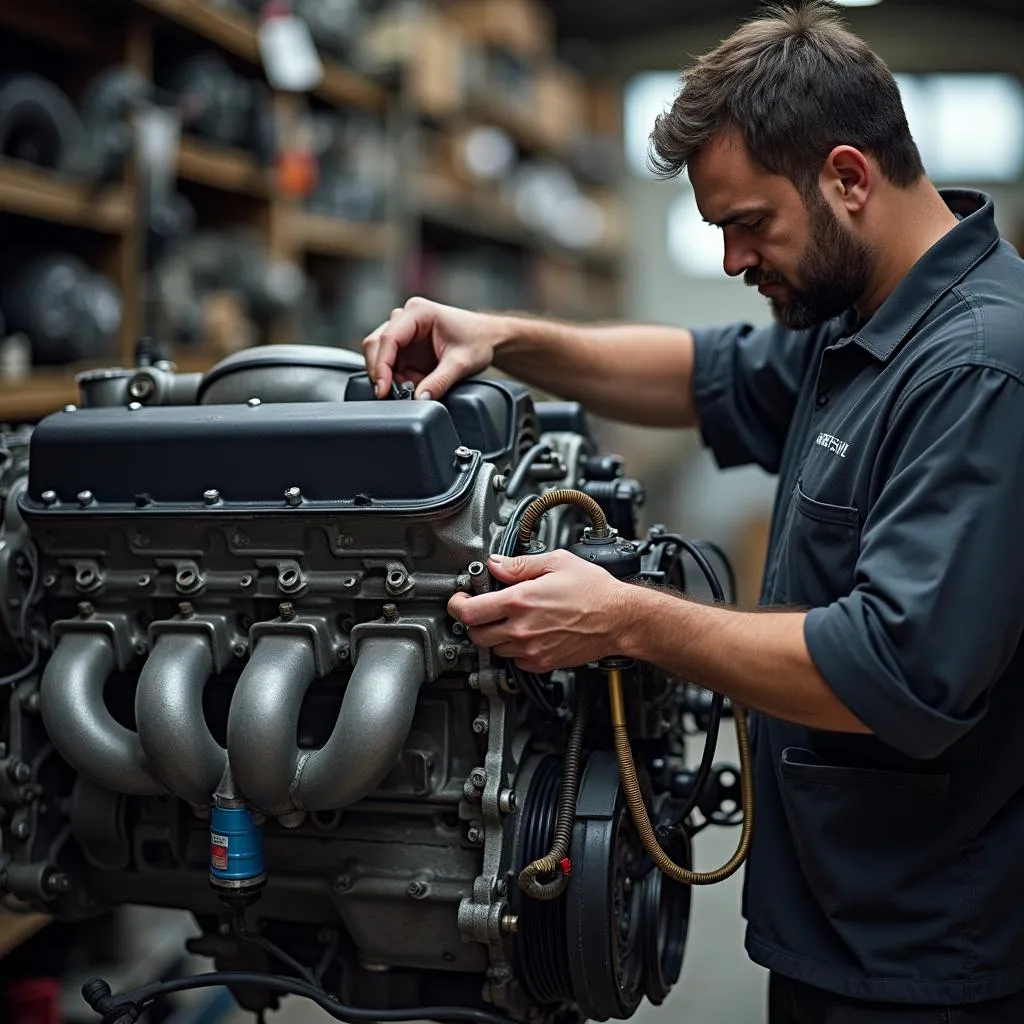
(730, 572)
(717, 701)
(138, 999)
(242, 931)
(330, 951)
(518, 476)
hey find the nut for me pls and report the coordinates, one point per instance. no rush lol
(141, 647)
(19, 772)
(498, 482)
(342, 883)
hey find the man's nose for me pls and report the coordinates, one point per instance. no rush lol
(739, 258)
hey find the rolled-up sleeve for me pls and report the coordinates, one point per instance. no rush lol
(937, 608)
(745, 385)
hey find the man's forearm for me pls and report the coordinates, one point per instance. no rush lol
(759, 659)
(634, 374)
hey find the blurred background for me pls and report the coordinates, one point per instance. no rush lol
(182, 178)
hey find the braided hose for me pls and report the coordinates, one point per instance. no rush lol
(563, 496)
(631, 786)
(565, 817)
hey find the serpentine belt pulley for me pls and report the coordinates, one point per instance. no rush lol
(68, 311)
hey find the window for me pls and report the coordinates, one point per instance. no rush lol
(647, 95)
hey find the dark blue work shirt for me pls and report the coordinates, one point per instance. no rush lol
(890, 867)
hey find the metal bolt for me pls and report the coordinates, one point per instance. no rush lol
(458, 629)
(49, 498)
(141, 647)
(509, 924)
(84, 498)
(501, 887)
(463, 454)
(507, 801)
(450, 653)
(476, 568)
(343, 652)
(498, 482)
(342, 883)
(212, 496)
(286, 610)
(58, 882)
(417, 889)
(475, 835)
(49, 581)
(142, 387)
(134, 406)
(20, 829)
(245, 581)
(349, 582)
(185, 608)
(143, 580)
(478, 777)
(480, 725)
(85, 609)
(390, 612)
(239, 648)
(19, 772)
(395, 581)
(253, 402)
(293, 496)
(71, 408)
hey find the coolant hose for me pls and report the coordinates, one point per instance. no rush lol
(635, 800)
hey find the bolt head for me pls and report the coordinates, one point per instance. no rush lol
(293, 496)
(286, 610)
(20, 829)
(480, 725)
(253, 402)
(21, 772)
(141, 647)
(478, 777)
(390, 612)
(463, 454)
(85, 609)
(141, 387)
(498, 483)
(71, 408)
(450, 653)
(212, 496)
(185, 608)
(475, 835)
(239, 648)
(85, 498)
(342, 883)
(417, 889)
(134, 406)
(49, 497)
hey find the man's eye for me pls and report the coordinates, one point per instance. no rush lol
(755, 225)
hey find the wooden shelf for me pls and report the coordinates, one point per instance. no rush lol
(37, 192)
(232, 170)
(329, 236)
(236, 33)
(37, 395)
(54, 22)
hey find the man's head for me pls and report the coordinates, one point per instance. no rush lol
(788, 129)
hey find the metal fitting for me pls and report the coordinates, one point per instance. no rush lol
(141, 387)
(212, 496)
(293, 496)
(85, 498)
(71, 408)
(134, 406)
(49, 498)
(480, 725)
(507, 801)
(185, 608)
(417, 889)
(478, 777)
(253, 402)
(475, 835)
(390, 612)
(463, 454)
(509, 924)
(286, 610)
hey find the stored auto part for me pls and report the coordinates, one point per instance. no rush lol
(237, 690)
(38, 122)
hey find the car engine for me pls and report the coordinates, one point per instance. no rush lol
(231, 686)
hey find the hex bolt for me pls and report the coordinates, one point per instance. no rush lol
(293, 496)
(85, 609)
(509, 924)
(458, 629)
(417, 889)
(239, 648)
(463, 454)
(480, 725)
(142, 387)
(185, 608)
(475, 835)
(390, 612)
(498, 482)
(450, 653)
(85, 498)
(212, 496)
(253, 402)
(19, 772)
(286, 610)
(49, 498)
(478, 778)
(20, 829)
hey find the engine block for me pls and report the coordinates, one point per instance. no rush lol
(230, 590)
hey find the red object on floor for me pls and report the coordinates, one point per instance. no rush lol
(34, 1002)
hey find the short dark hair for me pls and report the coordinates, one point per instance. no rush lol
(796, 83)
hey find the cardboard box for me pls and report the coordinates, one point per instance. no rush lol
(559, 107)
(523, 27)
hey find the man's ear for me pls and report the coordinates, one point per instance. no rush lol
(847, 178)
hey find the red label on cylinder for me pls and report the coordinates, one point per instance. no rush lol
(219, 852)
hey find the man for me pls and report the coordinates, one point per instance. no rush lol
(885, 881)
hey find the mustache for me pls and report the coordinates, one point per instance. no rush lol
(752, 278)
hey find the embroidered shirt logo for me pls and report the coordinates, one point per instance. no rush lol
(833, 444)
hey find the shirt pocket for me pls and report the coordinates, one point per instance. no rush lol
(876, 855)
(818, 553)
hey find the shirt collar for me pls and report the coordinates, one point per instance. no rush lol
(944, 265)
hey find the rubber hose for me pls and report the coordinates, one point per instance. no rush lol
(550, 500)
(565, 818)
(635, 800)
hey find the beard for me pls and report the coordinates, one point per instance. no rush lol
(835, 269)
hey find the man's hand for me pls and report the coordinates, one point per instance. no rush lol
(431, 345)
(558, 611)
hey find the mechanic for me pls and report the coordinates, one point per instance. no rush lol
(885, 670)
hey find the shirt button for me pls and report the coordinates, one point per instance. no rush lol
(822, 399)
